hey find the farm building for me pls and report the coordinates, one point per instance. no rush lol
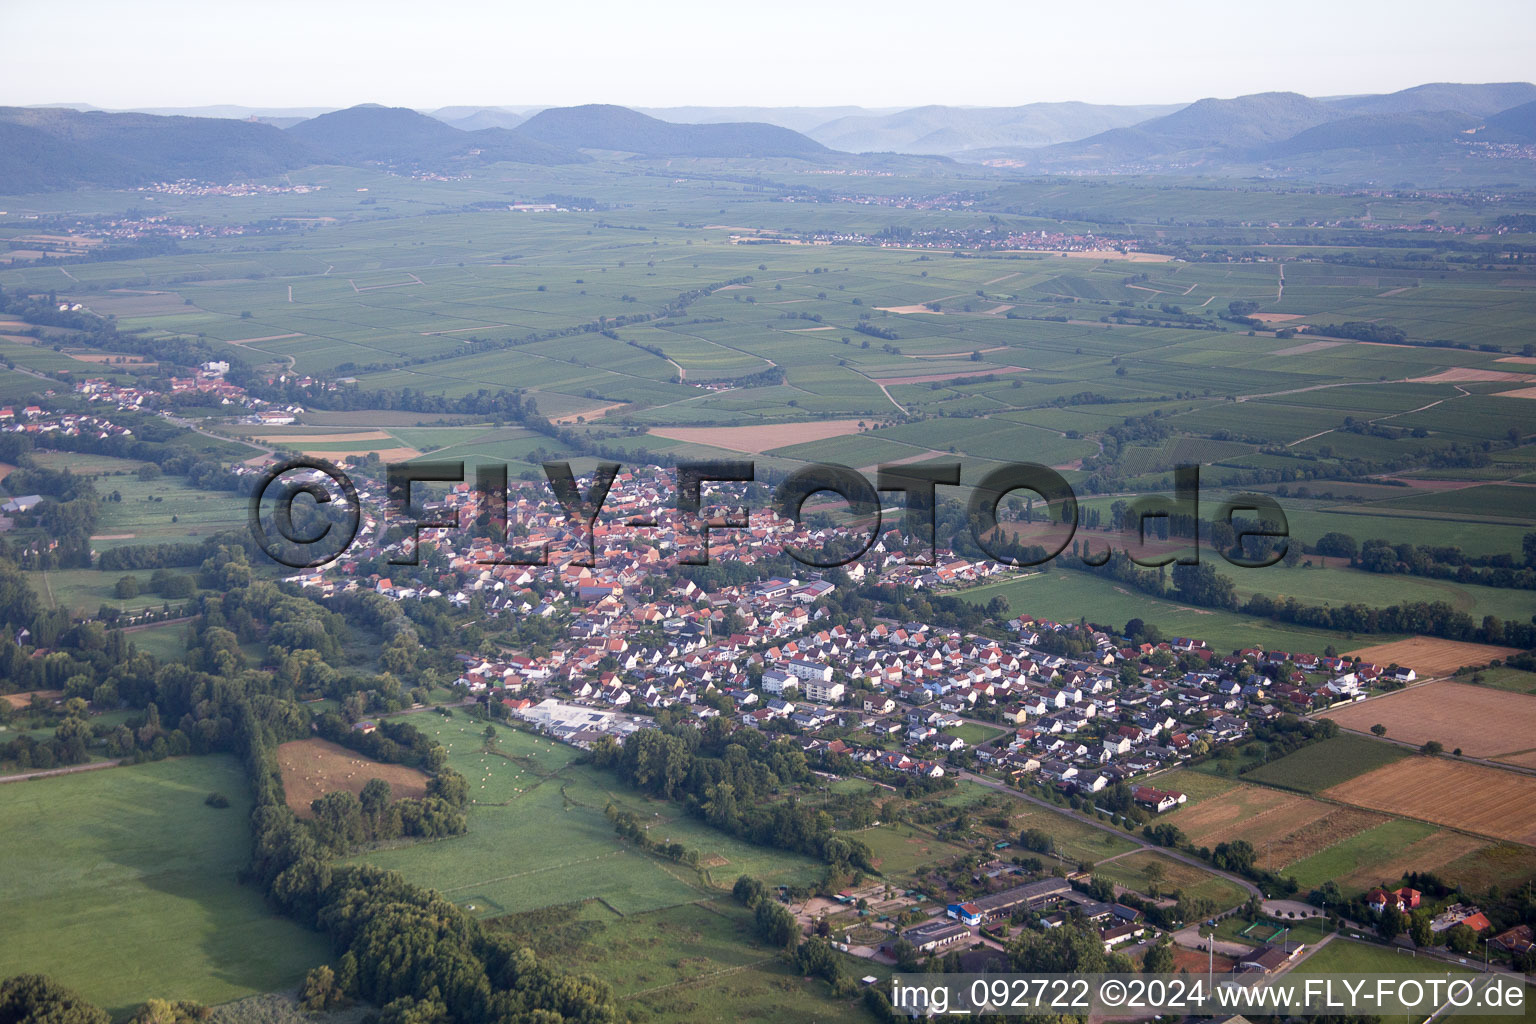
(1001, 904)
(933, 935)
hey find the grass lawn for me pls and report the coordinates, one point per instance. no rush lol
(1196, 785)
(166, 642)
(1075, 840)
(1345, 956)
(697, 962)
(900, 849)
(1371, 846)
(1504, 678)
(538, 836)
(976, 734)
(1317, 766)
(122, 886)
(1131, 872)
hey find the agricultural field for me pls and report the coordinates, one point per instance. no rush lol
(402, 302)
(1444, 852)
(1313, 841)
(1486, 801)
(314, 767)
(1317, 840)
(144, 901)
(538, 835)
(1326, 763)
(1503, 864)
(1480, 721)
(1430, 656)
(648, 329)
(1363, 852)
(1255, 813)
(1066, 595)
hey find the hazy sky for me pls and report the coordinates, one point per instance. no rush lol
(135, 53)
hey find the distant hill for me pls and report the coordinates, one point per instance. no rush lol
(396, 135)
(945, 130)
(230, 110)
(471, 119)
(279, 122)
(1206, 130)
(53, 148)
(1517, 124)
(1244, 121)
(1480, 100)
(800, 119)
(1376, 130)
(604, 126)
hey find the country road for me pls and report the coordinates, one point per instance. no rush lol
(71, 770)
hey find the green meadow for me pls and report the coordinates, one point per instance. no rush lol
(120, 883)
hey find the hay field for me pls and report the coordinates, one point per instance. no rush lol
(1428, 854)
(1253, 813)
(1472, 797)
(1479, 720)
(1431, 657)
(312, 768)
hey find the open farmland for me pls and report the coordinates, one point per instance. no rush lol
(538, 835)
(314, 767)
(1478, 720)
(1504, 864)
(1255, 813)
(1028, 357)
(1430, 656)
(759, 439)
(1432, 852)
(1472, 797)
(1344, 852)
(1313, 841)
(1329, 762)
(128, 887)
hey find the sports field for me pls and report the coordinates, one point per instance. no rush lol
(1486, 801)
(1479, 720)
(121, 884)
